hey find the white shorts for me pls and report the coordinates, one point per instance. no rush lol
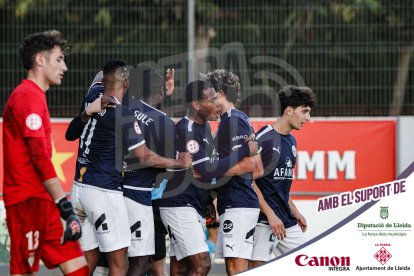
(235, 236)
(267, 247)
(187, 231)
(103, 216)
(141, 224)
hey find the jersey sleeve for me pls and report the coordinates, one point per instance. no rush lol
(233, 132)
(31, 115)
(131, 130)
(215, 168)
(169, 138)
(239, 132)
(94, 92)
(270, 153)
(40, 159)
(208, 166)
(76, 126)
(74, 129)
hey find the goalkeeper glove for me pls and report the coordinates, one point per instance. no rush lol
(71, 224)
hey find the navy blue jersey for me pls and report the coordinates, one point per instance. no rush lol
(232, 132)
(160, 137)
(105, 138)
(279, 158)
(95, 91)
(75, 127)
(181, 190)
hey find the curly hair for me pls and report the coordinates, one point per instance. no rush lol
(296, 96)
(39, 42)
(226, 81)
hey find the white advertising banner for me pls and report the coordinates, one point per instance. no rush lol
(376, 239)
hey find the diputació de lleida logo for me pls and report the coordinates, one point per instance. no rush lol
(384, 212)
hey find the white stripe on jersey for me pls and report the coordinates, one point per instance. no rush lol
(175, 170)
(266, 130)
(144, 103)
(137, 188)
(89, 139)
(85, 128)
(201, 160)
(97, 188)
(190, 124)
(136, 145)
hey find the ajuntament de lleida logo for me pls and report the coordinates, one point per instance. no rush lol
(384, 212)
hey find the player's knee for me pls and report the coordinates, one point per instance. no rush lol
(158, 268)
(83, 271)
(179, 268)
(203, 268)
(138, 265)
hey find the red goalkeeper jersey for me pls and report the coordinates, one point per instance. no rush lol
(26, 115)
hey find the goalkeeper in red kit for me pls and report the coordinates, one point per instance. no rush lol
(35, 202)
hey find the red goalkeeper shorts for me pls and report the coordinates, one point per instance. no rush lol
(35, 231)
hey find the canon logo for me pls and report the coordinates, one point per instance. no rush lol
(303, 260)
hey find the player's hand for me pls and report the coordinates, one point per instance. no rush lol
(94, 107)
(278, 229)
(253, 147)
(185, 160)
(196, 175)
(107, 102)
(71, 224)
(99, 104)
(302, 222)
(169, 81)
(251, 137)
(72, 229)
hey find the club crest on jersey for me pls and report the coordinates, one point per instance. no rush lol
(136, 127)
(193, 146)
(288, 163)
(31, 258)
(33, 121)
(294, 150)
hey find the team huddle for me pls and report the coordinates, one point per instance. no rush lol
(140, 176)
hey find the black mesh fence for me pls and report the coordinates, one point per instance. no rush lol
(356, 55)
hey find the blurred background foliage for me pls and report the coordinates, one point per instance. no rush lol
(357, 55)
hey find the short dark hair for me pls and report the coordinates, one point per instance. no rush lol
(144, 81)
(194, 91)
(39, 42)
(296, 96)
(227, 81)
(112, 65)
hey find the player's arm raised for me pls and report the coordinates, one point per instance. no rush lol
(77, 124)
